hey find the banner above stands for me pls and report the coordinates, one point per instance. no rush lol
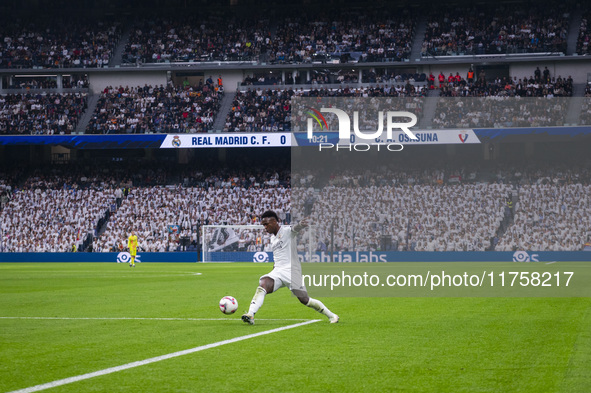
(152, 141)
(429, 137)
(234, 139)
(277, 139)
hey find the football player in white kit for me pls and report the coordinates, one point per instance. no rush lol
(287, 270)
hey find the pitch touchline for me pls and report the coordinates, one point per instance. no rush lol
(127, 366)
(155, 319)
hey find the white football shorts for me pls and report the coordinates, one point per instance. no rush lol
(290, 278)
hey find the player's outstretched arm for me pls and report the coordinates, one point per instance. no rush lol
(301, 225)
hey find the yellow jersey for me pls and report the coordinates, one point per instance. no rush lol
(132, 243)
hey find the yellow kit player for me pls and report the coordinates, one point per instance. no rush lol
(132, 245)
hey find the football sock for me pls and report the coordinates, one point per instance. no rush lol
(133, 260)
(320, 307)
(257, 300)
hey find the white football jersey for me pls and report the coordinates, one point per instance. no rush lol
(284, 247)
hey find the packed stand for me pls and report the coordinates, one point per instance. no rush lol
(41, 113)
(269, 110)
(504, 102)
(553, 212)
(538, 84)
(361, 35)
(430, 208)
(53, 212)
(158, 109)
(164, 215)
(583, 47)
(496, 29)
(63, 42)
(196, 39)
(93, 208)
(260, 111)
(426, 210)
(461, 209)
(585, 118)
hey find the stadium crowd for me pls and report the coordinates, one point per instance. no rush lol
(426, 209)
(540, 84)
(552, 217)
(57, 42)
(362, 34)
(584, 38)
(366, 35)
(495, 29)
(53, 210)
(41, 113)
(47, 215)
(192, 38)
(585, 117)
(504, 102)
(269, 110)
(159, 109)
(34, 82)
(455, 209)
(498, 112)
(420, 210)
(164, 215)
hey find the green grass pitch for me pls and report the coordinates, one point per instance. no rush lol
(381, 344)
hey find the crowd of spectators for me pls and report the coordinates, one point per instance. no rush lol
(393, 76)
(158, 109)
(419, 210)
(503, 102)
(260, 110)
(41, 113)
(197, 38)
(496, 29)
(51, 213)
(317, 77)
(584, 38)
(549, 217)
(33, 82)
(585, 118)
(539, 84)
(162, 216)
(375, 34)
(342, 76)
(498, 112)
(269, 110)
(448, 208)
(362, 35)
(452, 209)
(76, 82)
(94, 209)
(551, 206)
(61, 42)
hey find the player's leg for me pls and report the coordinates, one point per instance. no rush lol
(315, 304)
(266, 285)
(132, 262)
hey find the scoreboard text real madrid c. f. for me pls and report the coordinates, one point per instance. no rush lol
(227, 140)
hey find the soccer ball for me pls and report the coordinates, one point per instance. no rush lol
(228, 305)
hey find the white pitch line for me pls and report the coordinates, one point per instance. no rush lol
(127, 366)
(153, 319)
(549, 263)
